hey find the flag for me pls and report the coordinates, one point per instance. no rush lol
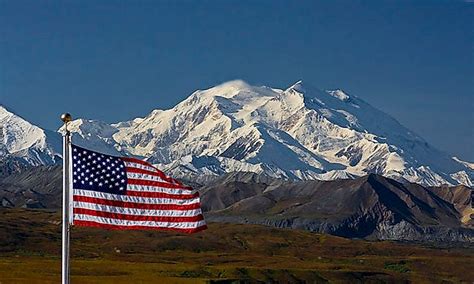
(127, 193)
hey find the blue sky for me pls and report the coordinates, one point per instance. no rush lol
(116, 60)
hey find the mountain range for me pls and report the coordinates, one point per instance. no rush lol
(297, 133)
(369, 207)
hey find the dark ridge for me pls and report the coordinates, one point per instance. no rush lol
(371, 207)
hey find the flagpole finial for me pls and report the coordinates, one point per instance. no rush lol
(66, 117)
(65, 266)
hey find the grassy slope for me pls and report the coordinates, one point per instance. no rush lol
(30, 249)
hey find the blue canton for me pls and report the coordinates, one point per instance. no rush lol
(98, 172)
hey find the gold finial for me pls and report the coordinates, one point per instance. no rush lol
(66, 117)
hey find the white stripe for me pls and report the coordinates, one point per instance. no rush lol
(137, 211)
(135, 199)
(144, 167)
(120, 222)
(150, 188)
(139, 166)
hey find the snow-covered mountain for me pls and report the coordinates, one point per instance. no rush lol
(24, 143)
(298, 133)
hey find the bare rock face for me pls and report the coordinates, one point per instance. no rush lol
(371, 207)
(462, 199)
(38, 187)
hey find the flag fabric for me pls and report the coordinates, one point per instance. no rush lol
(127, 193)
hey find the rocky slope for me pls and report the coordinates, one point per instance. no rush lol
(38, 187)
(372, 207)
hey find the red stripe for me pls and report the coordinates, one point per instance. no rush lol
(161, 195)
(137, 217)
(118, 203)
(158, 172)
(117, 227)
(155, 183)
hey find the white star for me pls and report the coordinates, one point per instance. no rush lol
(90, 183)
(101, 184)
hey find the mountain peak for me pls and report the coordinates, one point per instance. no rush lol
(24, 140)
(307, 89)
(237, 84)
(298, 86)
(228, 88)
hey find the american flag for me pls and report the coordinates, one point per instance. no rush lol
(127, 193)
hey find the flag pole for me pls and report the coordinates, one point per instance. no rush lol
(66, 117)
